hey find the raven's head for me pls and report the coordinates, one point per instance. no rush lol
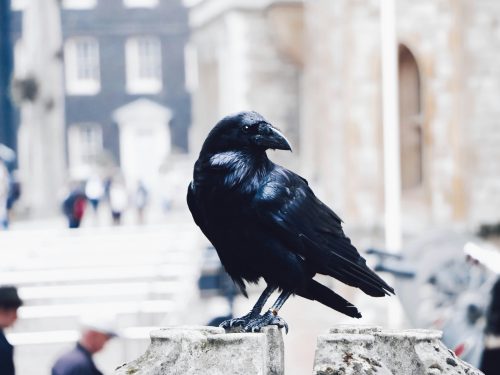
(244, 131)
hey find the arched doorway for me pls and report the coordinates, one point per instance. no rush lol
(412, 150)
(410, 120)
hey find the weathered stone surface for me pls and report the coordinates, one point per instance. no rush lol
(209, 350)
(349, 350)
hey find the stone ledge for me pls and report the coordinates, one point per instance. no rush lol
(347, 350)
(210, 351)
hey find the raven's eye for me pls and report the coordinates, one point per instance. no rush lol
(246, 128)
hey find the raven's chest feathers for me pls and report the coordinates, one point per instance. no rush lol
(225, 185)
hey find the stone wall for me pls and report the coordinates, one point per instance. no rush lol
(454, 44)
(240, 67)
(341, 125)
(481, 44)
(328, 98)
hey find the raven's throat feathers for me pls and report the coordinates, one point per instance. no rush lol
(243, 169)
(230, 159)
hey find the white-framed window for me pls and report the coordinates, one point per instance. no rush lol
(191, 67)
(18, 4)
(20, 61)
(143, 61)
(81, 56)
(85, 145)
(79, 4)
(140, 3)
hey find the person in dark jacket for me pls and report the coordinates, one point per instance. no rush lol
(490, 363)
(74, 207)
(9, 303)
(96, 331)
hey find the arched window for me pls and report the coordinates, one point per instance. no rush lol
(410, 119)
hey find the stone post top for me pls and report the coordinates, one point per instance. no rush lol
(172, 330)
(357, 349)
(205, 331)
(201, 350)
(414, 333)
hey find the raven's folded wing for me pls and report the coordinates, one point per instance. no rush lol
(286, 206)
(193, 205)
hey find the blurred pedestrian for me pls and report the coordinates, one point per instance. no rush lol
(13, 195)
(4, 194)
(141, 201)
(490, 361)
(94, 190)
(9, 303)
(74, 207)
(95, 333)
(118, 201)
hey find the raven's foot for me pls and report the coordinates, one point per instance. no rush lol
(238, 322)
(267, 319)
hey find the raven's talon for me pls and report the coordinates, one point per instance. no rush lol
(237, 322)
(267, 319)
(230, 323)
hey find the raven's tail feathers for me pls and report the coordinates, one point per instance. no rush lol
(359, 275)
(346, 265)
(318, 292)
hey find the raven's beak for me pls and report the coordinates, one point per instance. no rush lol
(270, 137)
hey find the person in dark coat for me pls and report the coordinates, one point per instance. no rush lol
(9, 303)
(490, 363)
(96, 332)
(74, 207)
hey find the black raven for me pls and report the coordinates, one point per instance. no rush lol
(265, 222)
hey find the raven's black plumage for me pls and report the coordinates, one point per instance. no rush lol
(265, 221)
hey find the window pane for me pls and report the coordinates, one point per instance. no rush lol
(79, 4)
(149, 58)
(84, 147)
(144, 74)
(18, 4)
(140, 3)
(82, 65)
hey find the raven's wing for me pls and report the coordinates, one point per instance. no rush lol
(286, 206)
(193, 206)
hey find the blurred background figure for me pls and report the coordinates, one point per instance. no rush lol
(9, 304)
(96, 331)
(94, 190)
(14, 194)
(140, 201)
(4, 195)
(74, 206)
(118, 200)
(490, 361)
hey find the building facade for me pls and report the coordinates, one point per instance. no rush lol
(239, 61)
(448, 91)
(118, 56)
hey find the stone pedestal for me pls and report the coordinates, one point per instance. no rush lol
(209, 351)
(347, 350)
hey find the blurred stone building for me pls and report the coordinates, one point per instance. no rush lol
(314, 69)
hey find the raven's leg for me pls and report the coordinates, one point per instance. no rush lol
(270, 317)
(253, 313)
